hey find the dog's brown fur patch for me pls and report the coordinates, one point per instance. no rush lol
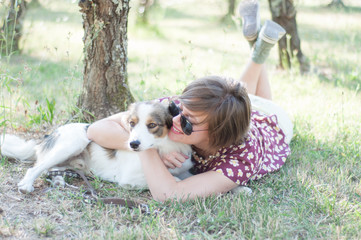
(161, 117)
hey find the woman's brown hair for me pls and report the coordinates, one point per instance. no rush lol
(227, 105)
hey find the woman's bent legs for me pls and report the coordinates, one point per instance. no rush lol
(256, 79)
(263, 87)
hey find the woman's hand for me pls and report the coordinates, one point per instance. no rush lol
(163, 185)
(174, 159)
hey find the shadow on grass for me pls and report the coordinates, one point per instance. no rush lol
(325, 8)
(38, 80)
(338, 67)
(24, 64)
(346, 9)
(42, 13)
(313, 184)
(352, 9)
(173, 13)
(347, 78)
(148, 30)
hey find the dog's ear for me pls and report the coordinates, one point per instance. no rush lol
(169, 117)
(125, 116)
(131, 107)
(165, 102)
(169, 120)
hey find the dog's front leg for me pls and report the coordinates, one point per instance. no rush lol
(45, 162)
(26, 184)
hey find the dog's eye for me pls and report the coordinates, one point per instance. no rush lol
(152, 125)
(132, 124)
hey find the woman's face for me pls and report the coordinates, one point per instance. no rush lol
(199, 137)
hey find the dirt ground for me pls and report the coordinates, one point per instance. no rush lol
(58, 213)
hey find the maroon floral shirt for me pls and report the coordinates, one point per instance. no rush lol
(264, 151)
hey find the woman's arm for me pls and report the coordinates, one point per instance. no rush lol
(111, 132)
(163, 185)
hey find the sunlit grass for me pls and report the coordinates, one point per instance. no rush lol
(54, 33)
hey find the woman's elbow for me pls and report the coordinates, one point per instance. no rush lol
(170, 196)
(160, 199)
(91, 132)
(97, 130)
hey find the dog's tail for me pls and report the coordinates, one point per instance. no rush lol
(16, 148)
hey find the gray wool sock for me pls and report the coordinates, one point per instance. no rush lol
(249, 11)
(253, 41)
(269, 35)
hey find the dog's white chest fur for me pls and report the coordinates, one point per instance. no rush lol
(124, 168)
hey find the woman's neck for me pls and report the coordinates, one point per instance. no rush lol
(205, 151)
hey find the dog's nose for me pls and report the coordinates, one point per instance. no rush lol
(134, 144)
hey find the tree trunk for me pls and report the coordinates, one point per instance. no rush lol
(143, 10)
(231, 7)
(105, 86)
(11, 31)
(34, 4)
(336, 3)
(284, 13)
(228, 18)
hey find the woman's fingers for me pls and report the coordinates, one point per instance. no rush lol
(174, 159)
(169, 164)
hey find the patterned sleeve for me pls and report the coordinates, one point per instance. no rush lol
(239, 166)
(169, 99)
(263, 152)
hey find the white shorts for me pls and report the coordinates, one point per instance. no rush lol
(268, 107)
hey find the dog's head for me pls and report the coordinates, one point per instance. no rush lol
(149, 123)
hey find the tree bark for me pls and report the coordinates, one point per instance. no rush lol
(228, 18)
(143, 10)
(105, 84)
(231, 7)
(336, 3)
(11, 31)
(284, 13)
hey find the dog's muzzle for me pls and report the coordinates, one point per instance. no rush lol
(134, 145)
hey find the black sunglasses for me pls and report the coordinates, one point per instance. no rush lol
(186, 125)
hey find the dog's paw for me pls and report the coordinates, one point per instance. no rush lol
(25, 188)
(58, 181)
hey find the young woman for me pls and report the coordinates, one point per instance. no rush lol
(237, 135)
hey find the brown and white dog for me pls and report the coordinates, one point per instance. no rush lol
(69, 148)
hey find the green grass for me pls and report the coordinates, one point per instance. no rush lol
(316, 195)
